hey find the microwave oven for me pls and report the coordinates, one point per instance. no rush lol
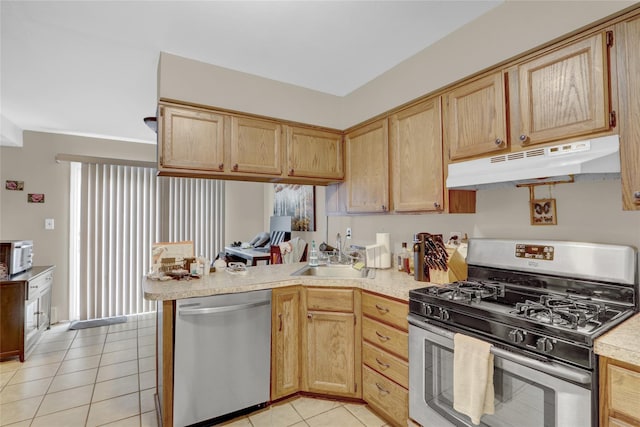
(16, 255)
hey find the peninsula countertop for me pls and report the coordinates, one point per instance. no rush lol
(622, 342)
(388, 282)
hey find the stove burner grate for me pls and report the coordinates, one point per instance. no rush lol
(468, 291)
(561, 311)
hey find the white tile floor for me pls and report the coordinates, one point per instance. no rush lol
(90, 377)
(105, 376)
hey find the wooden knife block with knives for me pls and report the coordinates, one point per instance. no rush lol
(445, 264)
(457, 269)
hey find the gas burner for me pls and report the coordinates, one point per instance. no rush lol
(468, 291)
(562, 311)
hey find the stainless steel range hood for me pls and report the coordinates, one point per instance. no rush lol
(597, 156)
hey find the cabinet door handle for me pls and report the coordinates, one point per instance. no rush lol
(436, 205)
(384, 208)
(384, 365)
(382, 337)
(291, 171)
(524, 138)
(221, 166)
(498, 141)
(382, 389)
(235, 167)
(636, 196)
(280, 318)
(309, 316)
(382, 309)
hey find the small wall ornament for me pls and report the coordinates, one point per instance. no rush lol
(14, 185)
(543, 212)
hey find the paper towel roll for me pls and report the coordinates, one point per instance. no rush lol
(384, 261)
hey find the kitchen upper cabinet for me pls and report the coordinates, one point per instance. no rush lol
(416, 153)
(314, 153)
(256, 146)
(628, 40)
(619, 393)
(564, 93)
(285, 341)
(190, 139)
(333, 349)
(367, 177)
(475, 117)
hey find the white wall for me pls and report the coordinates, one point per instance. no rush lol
(34, 163)
(588, 211)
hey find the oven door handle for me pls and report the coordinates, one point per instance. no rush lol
(550, 368)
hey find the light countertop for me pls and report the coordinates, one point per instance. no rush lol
(388, 282)
(621, 343)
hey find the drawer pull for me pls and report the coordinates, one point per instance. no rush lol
(382, 337)
(280, 318)
(384, 365)
(382, 389)
(382, 309)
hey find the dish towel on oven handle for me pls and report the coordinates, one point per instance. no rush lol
(473, 392)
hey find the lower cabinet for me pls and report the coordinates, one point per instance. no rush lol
(331, 345)
(25, 307)
(385, 370)
(341, 342)
(285, 341)
(619, 393)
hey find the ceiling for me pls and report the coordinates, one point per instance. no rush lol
(90, 67)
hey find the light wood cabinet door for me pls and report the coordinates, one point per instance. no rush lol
(330, 353)
(285, 342)
(416, 147)
(367, 167)
(313, 153)
(475, 118)
(619, 393)
(256, 146)
(628, 75)
(565, 93)
(191, 139)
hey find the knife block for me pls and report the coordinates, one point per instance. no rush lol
(457, 269)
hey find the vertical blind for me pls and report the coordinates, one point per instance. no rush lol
(191, 205)
(120, 212)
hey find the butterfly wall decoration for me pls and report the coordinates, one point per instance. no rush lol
(543, 212)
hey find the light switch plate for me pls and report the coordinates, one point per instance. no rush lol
(49, 224)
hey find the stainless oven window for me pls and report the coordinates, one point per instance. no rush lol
(524, 396)
(518, 401)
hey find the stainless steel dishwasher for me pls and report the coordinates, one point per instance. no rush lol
(222, 355)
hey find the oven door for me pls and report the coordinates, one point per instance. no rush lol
(528, 392)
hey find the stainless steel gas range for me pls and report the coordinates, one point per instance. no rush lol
(540, 304)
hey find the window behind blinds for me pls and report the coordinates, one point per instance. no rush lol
(117, 213)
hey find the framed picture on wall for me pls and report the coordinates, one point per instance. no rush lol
(298, 202)
(543, 212)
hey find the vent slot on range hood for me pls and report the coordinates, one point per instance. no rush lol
(598, 156)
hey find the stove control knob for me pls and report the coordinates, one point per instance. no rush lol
(428, 310)
(516, 336)
(444, 315)
(544, 344)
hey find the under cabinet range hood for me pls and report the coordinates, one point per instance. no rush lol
(597, 156)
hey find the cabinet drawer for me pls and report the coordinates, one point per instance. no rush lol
(385, 337)
(386, 396)
(385, 310)
(624, 391)
(385, 363)
(39, 285)
(330, 299)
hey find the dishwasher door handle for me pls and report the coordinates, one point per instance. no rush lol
(223, 309)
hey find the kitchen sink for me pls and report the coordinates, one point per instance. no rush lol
(337, 271)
